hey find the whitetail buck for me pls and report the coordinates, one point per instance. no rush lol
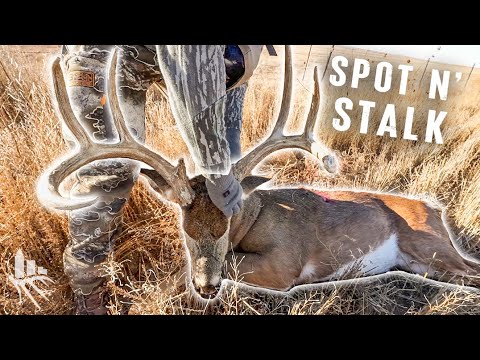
(282, 237)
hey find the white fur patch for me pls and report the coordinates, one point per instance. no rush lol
(377, 261)
(308, 272)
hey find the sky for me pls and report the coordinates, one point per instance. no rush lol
(467, 55)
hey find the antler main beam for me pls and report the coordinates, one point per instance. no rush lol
(277, 140)
(88, 150)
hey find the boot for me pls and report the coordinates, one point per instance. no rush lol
(92, 304)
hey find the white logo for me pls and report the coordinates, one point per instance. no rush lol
(21, 279)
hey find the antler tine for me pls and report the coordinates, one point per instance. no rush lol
(49, 182)
(314, 107)
(245, 165)
(278, 141)
(287, 94)
(117, 116)
(317, 149)
(48, 187)
(64, 108)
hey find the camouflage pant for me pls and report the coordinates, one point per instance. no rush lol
(93, 229)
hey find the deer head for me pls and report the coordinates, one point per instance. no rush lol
(205, 227)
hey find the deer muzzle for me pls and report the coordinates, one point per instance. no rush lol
(206, 276)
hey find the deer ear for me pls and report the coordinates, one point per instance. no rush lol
(250, 183)
(158, 183)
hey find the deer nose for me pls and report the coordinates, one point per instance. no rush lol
(208, 292)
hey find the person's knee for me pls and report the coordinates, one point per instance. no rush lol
(109, 178)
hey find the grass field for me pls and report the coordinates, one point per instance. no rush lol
(149, 248)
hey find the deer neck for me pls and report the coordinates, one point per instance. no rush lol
(242, 222)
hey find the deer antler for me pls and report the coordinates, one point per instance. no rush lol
(89, 151)
(277, 141)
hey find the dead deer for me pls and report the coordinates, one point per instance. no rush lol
(282, 237)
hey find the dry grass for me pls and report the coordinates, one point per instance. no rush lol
(149, 249)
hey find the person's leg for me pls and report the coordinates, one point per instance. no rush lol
(233, 120)
(195, 79)
(94, 229)
(235, 72)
